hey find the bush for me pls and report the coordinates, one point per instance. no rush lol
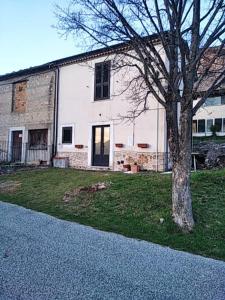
(214, 129)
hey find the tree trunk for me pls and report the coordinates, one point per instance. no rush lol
(181, 194)
(180, 136)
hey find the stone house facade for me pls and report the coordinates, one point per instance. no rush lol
(27, 115)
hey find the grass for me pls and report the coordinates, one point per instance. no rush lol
(132, 205)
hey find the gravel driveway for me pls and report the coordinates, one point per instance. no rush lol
(45, 258)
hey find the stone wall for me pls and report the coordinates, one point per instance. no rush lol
(33, 107)
(19, 97)
(76, 159)
(146, 160)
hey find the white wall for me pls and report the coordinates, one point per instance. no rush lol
(209, 112)
(78, 108)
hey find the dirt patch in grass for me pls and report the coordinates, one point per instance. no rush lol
(68, 196)
(78, 200)
(9, 186)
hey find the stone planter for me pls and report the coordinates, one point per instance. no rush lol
(61, 162)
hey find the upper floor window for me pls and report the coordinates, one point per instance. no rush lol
(19, 97)
(102, 80)
(213, 101)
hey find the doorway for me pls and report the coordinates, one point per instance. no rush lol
(16, 150)
(101, 145)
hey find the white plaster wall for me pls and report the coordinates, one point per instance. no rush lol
(209, 112)
(78, 108)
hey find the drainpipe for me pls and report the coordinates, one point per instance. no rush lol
(167, 146)
(56, 102)
(157, 138)
(133, 133)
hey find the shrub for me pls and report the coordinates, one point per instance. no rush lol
(214, 129)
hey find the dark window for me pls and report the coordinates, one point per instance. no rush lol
(102, 80)
(38, 139)
(67, 135)
(223, 99)
(209, 124)
(201, 125)
(218, 124)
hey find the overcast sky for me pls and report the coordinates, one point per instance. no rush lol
(27, 37)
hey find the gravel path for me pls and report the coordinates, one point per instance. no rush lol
(45, 258)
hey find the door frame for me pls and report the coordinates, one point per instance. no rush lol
(23, 142)
(102, 163)
(90, 142)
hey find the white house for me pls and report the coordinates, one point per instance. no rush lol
(211, 113)
(91, 132)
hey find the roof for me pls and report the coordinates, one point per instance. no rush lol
(69, 60)
(214, 70)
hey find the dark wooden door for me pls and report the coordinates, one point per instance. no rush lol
(101, 145)
(16, 146)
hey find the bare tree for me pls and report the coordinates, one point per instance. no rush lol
(191, 34)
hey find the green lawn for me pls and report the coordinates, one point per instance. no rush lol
(132, 205)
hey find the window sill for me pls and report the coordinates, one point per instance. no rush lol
(67, 146)
(100, 100)
(38, 149)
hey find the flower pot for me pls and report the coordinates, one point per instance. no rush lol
(142, 145)
(135, 168)
(126, 167)
(79, 146)
(119, 145)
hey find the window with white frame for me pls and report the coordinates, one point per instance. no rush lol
(201, 125)
(102, 80)
(204, 126)
(194, 126)
(67, 134)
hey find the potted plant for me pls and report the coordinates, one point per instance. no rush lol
(214, 129)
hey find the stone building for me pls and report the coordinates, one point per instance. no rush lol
(27, 115)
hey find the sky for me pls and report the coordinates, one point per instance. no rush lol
(27, 37)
